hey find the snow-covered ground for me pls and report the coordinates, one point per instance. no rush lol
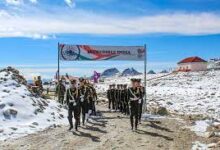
(21, 113)
(194, 93)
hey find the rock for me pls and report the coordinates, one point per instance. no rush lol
(169, 103)
(61, 115)
(13, 128)
(6, 91)
(162, 111)
(10, 104)
(10, 113)
(35, 123)
(1, 130)
(2, 106)
(32, 126)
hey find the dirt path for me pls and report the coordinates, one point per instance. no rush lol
(108, 131)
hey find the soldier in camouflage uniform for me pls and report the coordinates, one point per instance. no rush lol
(84, 100)
(39, 84)
(60, 91)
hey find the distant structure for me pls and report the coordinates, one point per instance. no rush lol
(192, 64)
(214, 64)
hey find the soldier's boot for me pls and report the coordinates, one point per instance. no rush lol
(83, 119)
(132, 123)
(76, 124)
(136, 122)
(71, 123)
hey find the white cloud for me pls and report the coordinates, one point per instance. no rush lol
(33, 1)
(70, 3)
(42, 24)
(14, 2)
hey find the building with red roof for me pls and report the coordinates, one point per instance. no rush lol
(192, 64)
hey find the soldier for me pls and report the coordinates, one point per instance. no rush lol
(122, 97)
(134, 95)
(126, 104)
(141, 101)
(109, 97)
(90, 97)
(113, 96)
(84, 95)
(118, 97)
(94, 100)
(60, 91)
(39, 84)
(72, 100)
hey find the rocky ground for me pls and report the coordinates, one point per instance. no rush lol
(111, 130)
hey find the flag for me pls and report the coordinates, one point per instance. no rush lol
(96, 76)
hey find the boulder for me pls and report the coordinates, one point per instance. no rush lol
(162, 111)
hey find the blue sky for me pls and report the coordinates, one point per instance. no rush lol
(172, 30)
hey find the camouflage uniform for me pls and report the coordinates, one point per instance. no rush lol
(60, 91)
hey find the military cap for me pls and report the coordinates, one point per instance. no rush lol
(73, 81)
(138, 80)
(81, 79)
(133, 80)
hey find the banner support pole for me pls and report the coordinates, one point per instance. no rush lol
(145, 77)
(58, 70)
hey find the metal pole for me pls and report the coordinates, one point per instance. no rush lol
(145, 77)
(58, 72)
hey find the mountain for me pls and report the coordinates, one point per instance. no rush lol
(110, 72)
(164, 71)
(130, 72)
(151, 72)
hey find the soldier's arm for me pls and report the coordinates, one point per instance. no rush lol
(129, 94)
(56, 92)
(78, 95)
(67, 96)
(108, 94)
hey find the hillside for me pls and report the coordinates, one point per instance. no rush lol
(20, 112)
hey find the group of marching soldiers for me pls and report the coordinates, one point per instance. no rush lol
(128, 101)
(80, 99)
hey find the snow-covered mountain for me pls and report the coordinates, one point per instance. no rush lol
(110, 72)
(151, 72)
(130, 72)
(21, 113)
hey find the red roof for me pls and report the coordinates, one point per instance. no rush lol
(192, 59)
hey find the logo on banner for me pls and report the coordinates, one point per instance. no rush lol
(69, 52)
(141, 52)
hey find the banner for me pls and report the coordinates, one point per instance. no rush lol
(93, 53)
